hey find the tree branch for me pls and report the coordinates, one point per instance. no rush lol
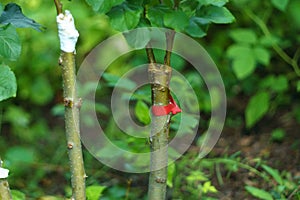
(58, 6)
(150, 54)
(291, 61)
(170, 41)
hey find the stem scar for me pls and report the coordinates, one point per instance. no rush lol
(68, 102)
(70, 145)
(160, 180)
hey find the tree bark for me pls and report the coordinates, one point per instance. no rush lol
(72, 106)
(159, 76)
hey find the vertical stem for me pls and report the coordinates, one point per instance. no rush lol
(170, 40)
(72, 105)
(159, 76)
(4, 188)
(58, 6)
(68, 37)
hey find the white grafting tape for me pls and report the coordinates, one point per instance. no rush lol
(67, 32)
(3, 172)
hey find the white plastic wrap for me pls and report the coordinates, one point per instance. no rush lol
(67, 32)
(3, 173)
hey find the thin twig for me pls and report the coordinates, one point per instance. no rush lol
(291, 61)
(58, 6)
(170, 41)
(129, 182)
(150, 54)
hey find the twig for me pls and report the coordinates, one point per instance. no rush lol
(291, 61)
(72, 126)
(68, 37)
(58, 6)
(150, 54)
(170, 41)
(160, 76)
(129, 182)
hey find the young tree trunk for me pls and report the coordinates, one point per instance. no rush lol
(68, 37)
(160, 76)
(4, 188)
(72, 105)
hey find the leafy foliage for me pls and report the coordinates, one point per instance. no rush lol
(10, 45)
(259, 193)
(8, 86)
(186, 16)
(103, 6)
(94, 192)
(29, 120)
(246, 53)
(125, 16)
(12, 14)
(280, 4)
(257, 108)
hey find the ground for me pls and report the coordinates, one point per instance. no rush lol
(257, 143)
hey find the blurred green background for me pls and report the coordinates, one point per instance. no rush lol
(257, 57)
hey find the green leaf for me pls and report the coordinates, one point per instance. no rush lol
(10, 45)
(1, 9)
(280, 4)
(103, 6)
(278, 135)
(196, 26)
(276, 84)
(171, 174)
(94, 192)
(8, 83)
(262, 55)
(142, 112)
(281, 84)
(243, 67)
(125, 17)
(218, 15)
(273, 172)
(17, 195)
(237, 50)
(218, 3)
(138, 39)
(244, 61)
(196, 176)
(156, 14)
(259, 193)
(169, 3)
(207, 187)
(20, 154)
(298, 86)
(247, 36)
(12, 14)
(269, 41)
(257, 107)
(176, 20)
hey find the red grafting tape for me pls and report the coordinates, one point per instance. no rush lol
(165, 110)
